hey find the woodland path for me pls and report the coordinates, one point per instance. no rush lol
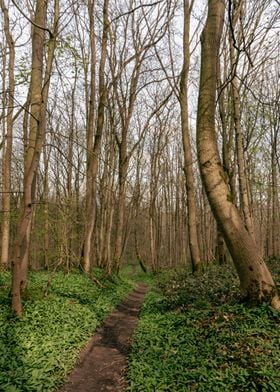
(102, 363)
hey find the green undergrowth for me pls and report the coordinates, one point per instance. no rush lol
(135, 272)
(194, 334)
(38, 350)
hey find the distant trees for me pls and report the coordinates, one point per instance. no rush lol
(98, 155)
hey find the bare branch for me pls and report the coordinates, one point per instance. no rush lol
(135, 9)
(29, 20)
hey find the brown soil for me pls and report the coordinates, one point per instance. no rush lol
(103, 362)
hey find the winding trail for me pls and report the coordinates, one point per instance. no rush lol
(102, 363)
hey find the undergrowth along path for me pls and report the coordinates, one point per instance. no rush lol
(102, 363)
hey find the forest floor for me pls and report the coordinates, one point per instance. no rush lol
(103, 362)
(39, 350)
(194, 333)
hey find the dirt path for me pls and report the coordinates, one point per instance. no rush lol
(103, 361)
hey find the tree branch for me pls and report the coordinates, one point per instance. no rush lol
(135, 9)
(30, 20)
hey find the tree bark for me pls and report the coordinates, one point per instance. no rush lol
(32, 159)
(188, 164)
(256, 282)
(38, 103)
(90, 104)
(7, 156)
(46, 209)
(95, 151)
(274, 191)
(236, 105)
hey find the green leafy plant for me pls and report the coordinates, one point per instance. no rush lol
(38, 350)
(194, 334)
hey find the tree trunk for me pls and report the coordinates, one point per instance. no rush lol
(107, 209)
(32, 159)
(38, 135)
(235, 96)
(46, 209)
(95, 152)
(7, 156)
(220, 254)
(188, 164)
(120, 238)
(90, 104)
(38, 103)
(256, 281)
(274, 186)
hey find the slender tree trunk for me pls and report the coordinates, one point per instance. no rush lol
(274, 185)
(95, 152)
(119, 247)
(46, 209)
(153, 221)
(7, 158)
(136, 206)
(33, 152)
(242, 175)
(188, 164)
(40, 133)
(153, 248)
(107, 207)
(255, 278)
(90, 201)
(38, 103)
(70, 202)
(220, 256)
(229, 166)
(124, 157)
(108, 235)
(268, 240)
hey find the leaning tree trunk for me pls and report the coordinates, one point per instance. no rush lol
(255, 279)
